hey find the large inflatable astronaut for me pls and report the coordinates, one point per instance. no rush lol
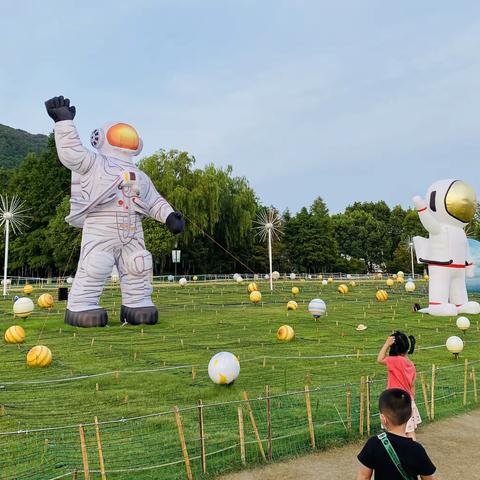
(450, 206)
(109, 197)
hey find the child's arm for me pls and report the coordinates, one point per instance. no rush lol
(383, 352)
(365, 473)
(427, 477)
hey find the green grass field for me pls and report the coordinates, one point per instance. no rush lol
(124, 372)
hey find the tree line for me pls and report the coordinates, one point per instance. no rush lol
(220, 237)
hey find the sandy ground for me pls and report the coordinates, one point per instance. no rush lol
(453, 446)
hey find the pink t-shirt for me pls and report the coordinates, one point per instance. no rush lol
(401, 373)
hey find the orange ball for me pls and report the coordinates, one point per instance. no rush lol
(39, 356)
(14, 334)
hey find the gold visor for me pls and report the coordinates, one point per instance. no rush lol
(123, 135)
(461, 201)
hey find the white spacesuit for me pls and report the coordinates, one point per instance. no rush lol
(450, 206)
(109, 197)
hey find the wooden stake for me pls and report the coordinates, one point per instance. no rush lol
(349, 409)
(181, 437)
(241, 435)
(100, 450)
(194, 373)
(309, 416)
(432, 396)
(86, 469)
(74, 475)
(202, 437)
(465, 382)
(362, 405)
(474, 379)
(254, 425)
(425, 395)
(269, 424)
(368, 404)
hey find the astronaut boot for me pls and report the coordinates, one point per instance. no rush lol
(440, 310)
(87, 318)
(471, 308)
(139, 315)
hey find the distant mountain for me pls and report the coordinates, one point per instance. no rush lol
(15, 144)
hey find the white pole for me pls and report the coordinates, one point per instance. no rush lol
(7, 234)
(270, 256)
(411, 257)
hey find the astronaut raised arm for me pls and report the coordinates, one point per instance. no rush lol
(427, 219)
(71, 152)
(162, 211)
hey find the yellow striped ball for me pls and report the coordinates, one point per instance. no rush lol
(14, 334)
(39, 356)
(255, 296)
(45, 301)
(390, 282)
(285, 333)
(343, 289)
(400, 279)
(426, 277)
(353, 283)
(252, 287)
(295, 290)
(27, 289)
(330, 280)
(292, 305)
(381, 296)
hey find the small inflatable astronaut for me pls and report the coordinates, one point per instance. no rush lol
(450, 205)
(109, 197)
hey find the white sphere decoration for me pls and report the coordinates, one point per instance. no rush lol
(223, 368)
(275, 275)
(236, 275)
(349, 276)
(267, 276)
(293, 276)
(23, 307)
(69, 280)
(239, 279)
(324, 282)
(182, 282)
(400, 274)
(454, 344)
(170, 278)
(317, 307)
(463, 323)
(410, 287)
(9, 281)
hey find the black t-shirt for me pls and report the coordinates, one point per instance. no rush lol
(412, 455)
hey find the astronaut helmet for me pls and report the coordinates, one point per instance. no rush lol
(452, 202)
(116, 138)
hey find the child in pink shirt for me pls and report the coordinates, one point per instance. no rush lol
(401, 371)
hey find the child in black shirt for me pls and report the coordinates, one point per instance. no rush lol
(395, 407)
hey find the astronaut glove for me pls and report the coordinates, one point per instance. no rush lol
(419, 202)
(58, 108)
(175, 223)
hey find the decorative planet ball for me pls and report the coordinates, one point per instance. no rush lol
(317, 307)
(349, 276)
(426, 277)
(194, 278)
(223, 368)
(239, 279)
(255, 296)
(45, 301)
(302, 280)
(410, 287)
(454, 344)
(292, 305)
(330, 280)
(266, 276)
(463, 323)
(381, 296)
(252, 287)
(353, 283)
(182, 282)
(9, 281)
(324, 282)
(15, 298)
(343, 289)
(39, 356)
(14, 334)
(236, 275)
(295, 290)
(390, 282)
(285, 333)
(400, 279)
(292, 276)
(70, 280)
(394, 276)
(400, 274)
(320, 277)
(170, 278)
(275, 275)
(379, 275)
(27, 289)
(309, 277)
(23, 307)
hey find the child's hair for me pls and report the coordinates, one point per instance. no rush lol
(396, 405)
(403, 344)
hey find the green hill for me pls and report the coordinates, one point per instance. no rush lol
(15, 144)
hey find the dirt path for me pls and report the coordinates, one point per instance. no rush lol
(453, 445)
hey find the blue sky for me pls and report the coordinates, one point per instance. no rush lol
(350, 100)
